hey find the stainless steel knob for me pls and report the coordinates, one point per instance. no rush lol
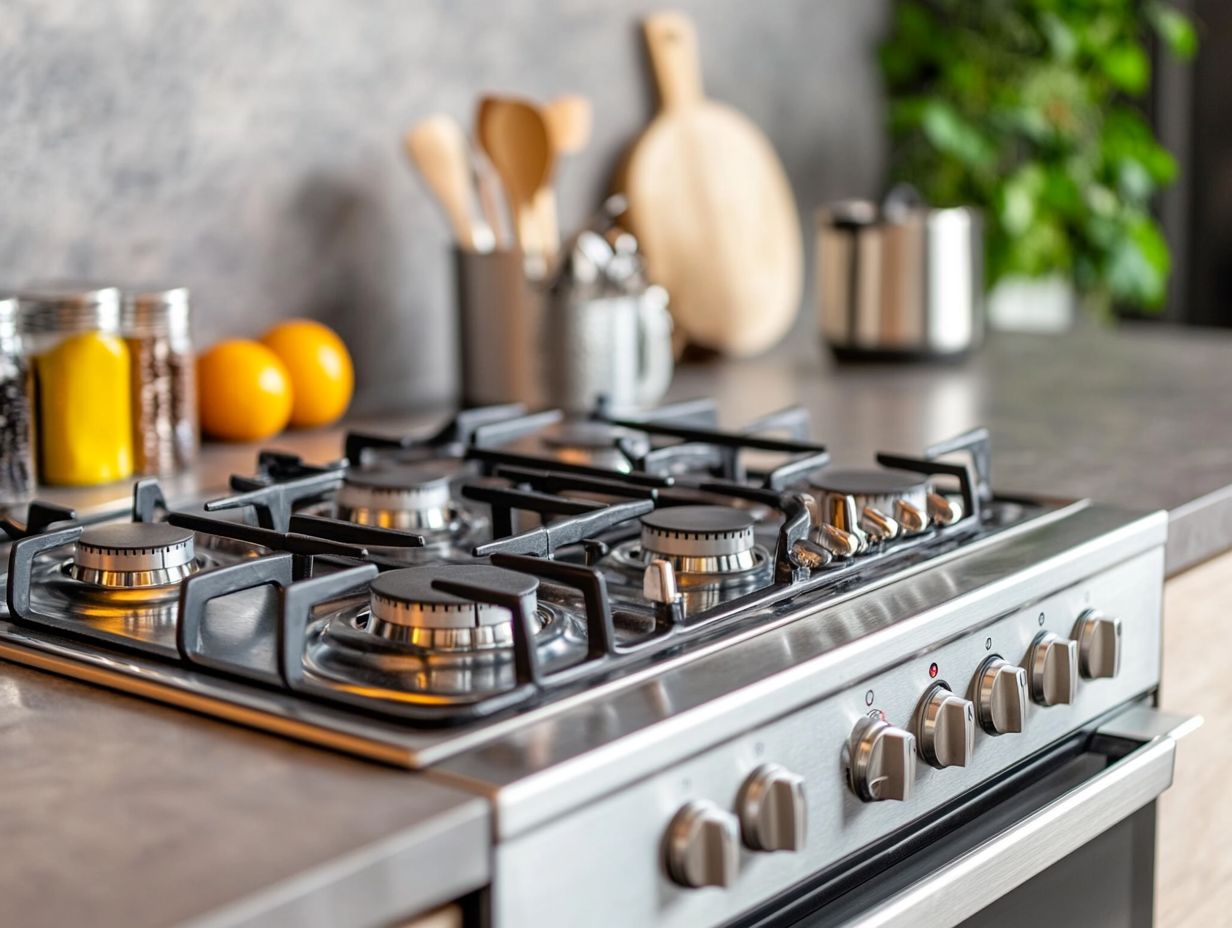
(945, 728)
(773, 811)
(1001, 696)
(877, 525)
(1099, 645)
(838, 510)
(880, 761)
(838, 542)
(1054, 669)
(703, 846)
(909, 518)
(659, 581)
(943, 510)
(805, 553)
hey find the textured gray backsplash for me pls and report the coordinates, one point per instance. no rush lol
(252, 149)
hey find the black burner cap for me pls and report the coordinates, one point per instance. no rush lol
(414, 584)
(704, 520)
(871, 482)
(592, 436)
(397, 477)
(135, 536)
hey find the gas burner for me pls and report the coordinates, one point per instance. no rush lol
(405, 608)
(879, 503)
(135, 556)
(414, 497)
(595, 444)
(413, 644)
(706, 545)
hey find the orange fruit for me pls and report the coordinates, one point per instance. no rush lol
(244, 391)
(322, 377)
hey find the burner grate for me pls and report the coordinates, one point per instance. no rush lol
(583, 514)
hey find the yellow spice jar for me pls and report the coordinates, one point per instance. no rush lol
(82, 384)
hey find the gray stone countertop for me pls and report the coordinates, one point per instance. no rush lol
(119, 812)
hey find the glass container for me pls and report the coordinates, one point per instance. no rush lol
(16, 410)
(83, 397)
(155, 325)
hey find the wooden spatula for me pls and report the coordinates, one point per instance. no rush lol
(569, 119)
(437, 146)
(514, 135)
(711, 207)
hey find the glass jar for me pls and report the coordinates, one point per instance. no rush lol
(16, 413)
(81, 381)
(154, 322)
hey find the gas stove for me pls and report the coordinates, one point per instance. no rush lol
(704, 657)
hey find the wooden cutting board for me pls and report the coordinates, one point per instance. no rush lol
(711, 207)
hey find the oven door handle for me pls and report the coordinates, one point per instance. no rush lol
(989, 870)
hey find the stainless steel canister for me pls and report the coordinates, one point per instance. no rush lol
(904, 281)
(618, 347)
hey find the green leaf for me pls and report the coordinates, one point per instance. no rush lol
(952, 134)
(1137, 269)
(1101, 200)
(1126, 65)
(1176, 30)
(1134, 180)
(1061, 39)
(1019, 199)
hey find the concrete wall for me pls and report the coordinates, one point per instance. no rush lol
(251, 149)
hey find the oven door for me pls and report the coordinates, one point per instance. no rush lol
(1069, 842)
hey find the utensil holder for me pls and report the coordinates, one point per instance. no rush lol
(523, 340)
(501, 298)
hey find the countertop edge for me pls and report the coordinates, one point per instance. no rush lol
(1199, 530)
(386, 882)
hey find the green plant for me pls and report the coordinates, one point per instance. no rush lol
(1029, 109)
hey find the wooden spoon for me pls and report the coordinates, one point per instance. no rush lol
(514, 135)
(569, 120)
(437, 147)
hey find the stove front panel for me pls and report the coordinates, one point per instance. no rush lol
(608, 860)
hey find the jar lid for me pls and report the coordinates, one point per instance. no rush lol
(154, 310)
(67, 307)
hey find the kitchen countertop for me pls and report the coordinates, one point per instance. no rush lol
(123, 812)
(119, 812)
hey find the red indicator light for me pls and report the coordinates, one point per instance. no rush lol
(932, 671)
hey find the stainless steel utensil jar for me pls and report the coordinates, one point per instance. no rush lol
(615, 347)
(528, 340)
(901, 282)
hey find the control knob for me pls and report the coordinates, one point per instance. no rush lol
(773, 811)
(1099, 645)
(1054, 669)
(881, 761)
(945, 728)
(1001, 696)
(703, 846)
